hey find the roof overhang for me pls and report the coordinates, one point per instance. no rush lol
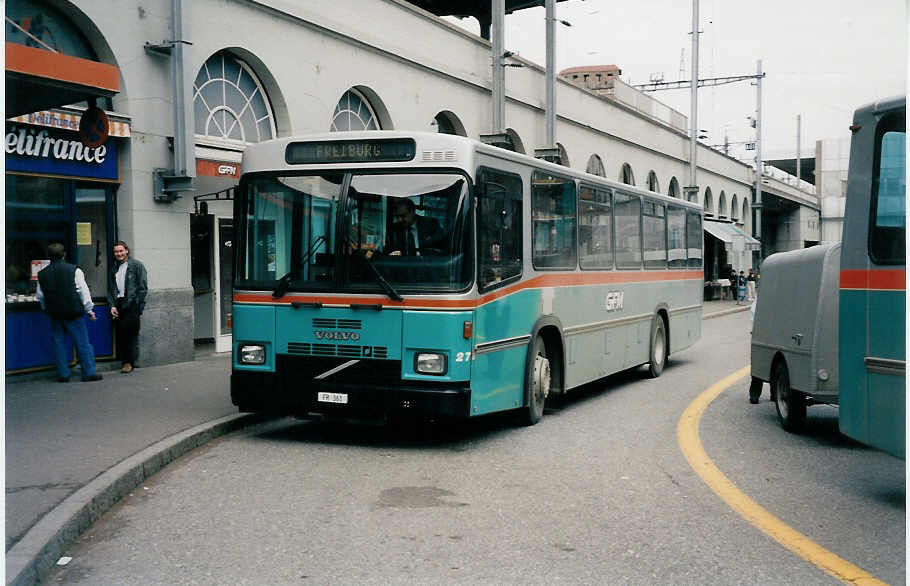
(731, 236)
(37, 79)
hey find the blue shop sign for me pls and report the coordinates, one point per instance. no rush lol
(50, 152)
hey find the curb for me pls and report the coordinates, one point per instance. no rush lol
(29, 561)
(724, 312)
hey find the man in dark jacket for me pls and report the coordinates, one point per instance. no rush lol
(64, 295)
(411, 234)
(127, 291)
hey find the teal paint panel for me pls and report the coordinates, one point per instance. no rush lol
(507, 317)
(872, 405)
(377, 329)
(887, 324)
(853, 412)
(497, 381)
(437, 331)
(255, 323)
(887, 406)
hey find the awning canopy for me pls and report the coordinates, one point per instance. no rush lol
(731, 236)
(37, 79)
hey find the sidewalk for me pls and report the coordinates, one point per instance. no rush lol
(74, 449)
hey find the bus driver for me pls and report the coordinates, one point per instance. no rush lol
(412, 234)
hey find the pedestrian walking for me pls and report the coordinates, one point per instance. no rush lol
(127, 292)
(741, 288)
(64, 295)
(750, 285)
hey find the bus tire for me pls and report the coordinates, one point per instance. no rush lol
(791, 404)
(537, 383)
(658, 353)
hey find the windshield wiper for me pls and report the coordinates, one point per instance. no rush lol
(281, 287)
(386, 286)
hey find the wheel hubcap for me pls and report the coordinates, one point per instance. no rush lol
(658, 357)
(541, 376)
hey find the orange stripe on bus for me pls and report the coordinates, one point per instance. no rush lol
(874, 279)
(555, 280)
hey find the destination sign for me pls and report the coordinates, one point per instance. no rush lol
(350, 151)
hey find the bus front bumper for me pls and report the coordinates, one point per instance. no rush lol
(266, 391)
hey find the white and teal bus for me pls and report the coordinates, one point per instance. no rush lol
(536, 278)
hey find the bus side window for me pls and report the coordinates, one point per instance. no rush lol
(888, 229)
(499, 238)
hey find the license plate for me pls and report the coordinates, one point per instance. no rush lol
(332, 398)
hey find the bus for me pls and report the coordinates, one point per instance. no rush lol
(873, 277)
(538, 279)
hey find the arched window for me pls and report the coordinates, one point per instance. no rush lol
(563, 155)
(596, 166)
(709, 202)
(230, 103)
(746, 217)
(722, 205)
(517, 145)
(354, 112)
(674, 188)
(626, 176)
(734, 212)
(653, 185)
(448, 123)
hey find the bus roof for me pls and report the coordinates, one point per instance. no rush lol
(431, 150)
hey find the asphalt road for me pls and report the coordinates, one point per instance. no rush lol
(597, 493)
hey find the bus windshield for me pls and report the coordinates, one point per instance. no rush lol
(376, 232)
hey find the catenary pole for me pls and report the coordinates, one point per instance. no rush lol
(756, 205)
(693, 114)
(499, 14)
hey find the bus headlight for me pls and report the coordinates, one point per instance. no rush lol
(430, 363)
(252, 354)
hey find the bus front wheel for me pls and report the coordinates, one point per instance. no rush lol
(537, 382)
(658, 347)
(791, 404)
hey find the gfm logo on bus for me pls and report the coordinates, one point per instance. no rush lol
(325, 335)
(614, 301)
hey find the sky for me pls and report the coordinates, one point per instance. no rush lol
(822, 58)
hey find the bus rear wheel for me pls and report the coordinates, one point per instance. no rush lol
(537, 382)
(658, 347)
(791, 404)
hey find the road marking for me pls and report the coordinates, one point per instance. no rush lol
(690, 444)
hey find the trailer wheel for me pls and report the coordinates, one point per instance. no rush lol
(658, 347)
(537, 383)
(791, 404)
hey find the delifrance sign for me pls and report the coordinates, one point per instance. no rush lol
(53, 152)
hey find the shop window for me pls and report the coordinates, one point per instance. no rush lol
(552, 221)
(42, 210)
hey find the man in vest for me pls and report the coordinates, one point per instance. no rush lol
(64, 295)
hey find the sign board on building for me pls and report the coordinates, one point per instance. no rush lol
(53, 152)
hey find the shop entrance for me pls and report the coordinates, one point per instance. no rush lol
(211, 235)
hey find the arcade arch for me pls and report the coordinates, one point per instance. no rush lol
(448, 123)
(673, 191)
(709, 202)
(653, 184)
(722, 205)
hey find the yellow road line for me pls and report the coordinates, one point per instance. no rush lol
(690, 444)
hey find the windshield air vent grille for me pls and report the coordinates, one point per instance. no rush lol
(438, 156)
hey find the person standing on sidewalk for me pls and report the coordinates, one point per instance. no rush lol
(127, 292)
(65, 296)
(750, 285)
